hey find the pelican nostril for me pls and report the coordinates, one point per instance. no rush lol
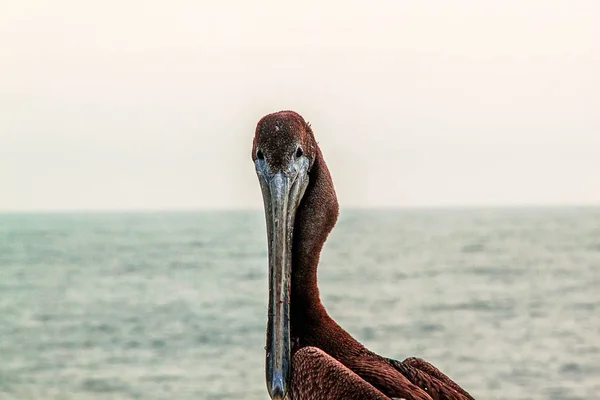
(299, 151)
(260, 155)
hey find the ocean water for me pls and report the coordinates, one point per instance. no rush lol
(173, 305)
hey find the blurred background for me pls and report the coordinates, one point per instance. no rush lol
(464, 143)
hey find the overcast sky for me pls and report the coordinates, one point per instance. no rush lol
(153, 104)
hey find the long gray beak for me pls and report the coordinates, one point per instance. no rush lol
(282, 192)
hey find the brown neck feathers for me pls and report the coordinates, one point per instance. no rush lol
(315, 218)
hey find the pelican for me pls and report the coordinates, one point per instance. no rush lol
(308, 355)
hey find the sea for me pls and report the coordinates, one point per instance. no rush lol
(172, 305)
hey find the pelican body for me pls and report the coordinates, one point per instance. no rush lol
(308, 355)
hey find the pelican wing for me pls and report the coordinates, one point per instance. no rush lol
(318, 376)
(424, 375)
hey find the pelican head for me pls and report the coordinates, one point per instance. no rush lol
(283, 152)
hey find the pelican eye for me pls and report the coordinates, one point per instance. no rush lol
(299, 152)
(260, 155)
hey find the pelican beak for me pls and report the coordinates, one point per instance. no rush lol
(282, 191)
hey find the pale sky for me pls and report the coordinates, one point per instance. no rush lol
(153, 104)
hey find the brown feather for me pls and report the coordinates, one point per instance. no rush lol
(314, 373)
(429, 369)
(430, 379)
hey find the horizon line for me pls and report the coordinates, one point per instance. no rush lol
(174, 210)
